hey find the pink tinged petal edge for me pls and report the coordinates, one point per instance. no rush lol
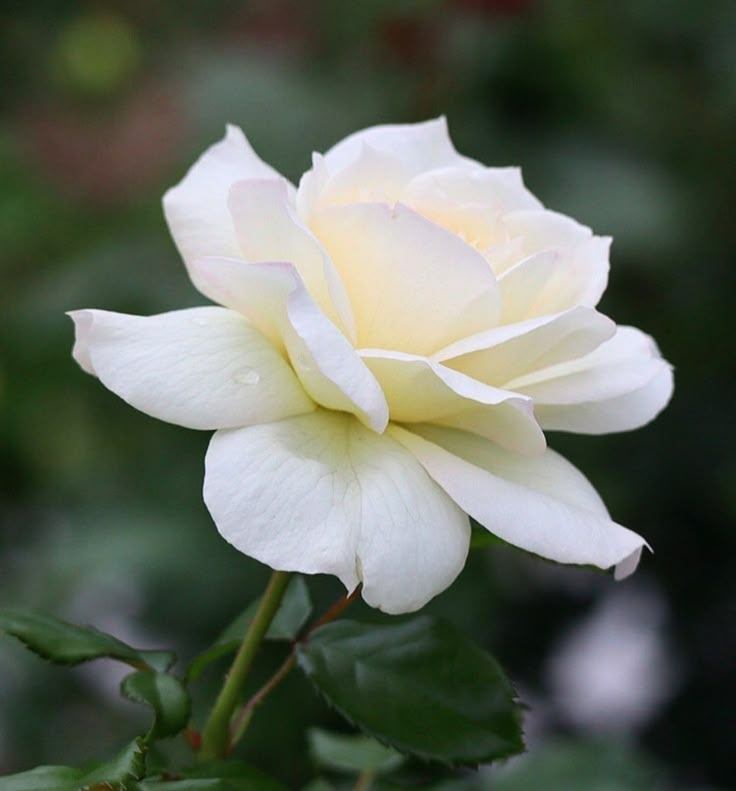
(202, 368)
(441, 289)
(268, 229)
(196, 208)
(273, 297)
(419, 390)
(320, 494)
(506, 353)
(543, 504)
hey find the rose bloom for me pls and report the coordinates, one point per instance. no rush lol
(389, 343)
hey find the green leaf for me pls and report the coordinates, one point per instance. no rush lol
(167, 697)
(212, 784)
(115, 775)
(351, 753)
(418, 685)
(208, 784)
(215, 776)
(295, 608)
(68, 644)
(579, 767)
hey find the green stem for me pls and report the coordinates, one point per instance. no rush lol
(242, 719)
(216, 732)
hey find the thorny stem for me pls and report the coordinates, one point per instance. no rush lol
(243, 717)
(216, 732)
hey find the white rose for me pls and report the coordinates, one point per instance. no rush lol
(394, 336)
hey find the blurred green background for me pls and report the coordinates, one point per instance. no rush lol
(622, 114)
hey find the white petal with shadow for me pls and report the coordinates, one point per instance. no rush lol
(323, 495)
(268, 229)
(196, 208)
(540, 504)
(419, 390)
(505, 353)
(414, 286)
(274, 298)
(203, 368)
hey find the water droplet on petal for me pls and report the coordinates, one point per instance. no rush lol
(246, 376)
(303, 361)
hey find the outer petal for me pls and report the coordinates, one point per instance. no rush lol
(274, 298)
(505, 353)
(419, 147)
(419, 390)
(196, 208)
(202, 368)
(268, 229)
(542, 504)
(414, 287)
(622, 385)
(321, 494)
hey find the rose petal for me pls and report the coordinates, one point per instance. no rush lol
(268, 229)
(623, 413)
(419, 390)
(419, 147)
(321, 494)
(372, 177)
(203, 368)
(274, 298)
(542, 504)
(500, 190)
(542, 229)
(310, 188)
(196, 209)
(622, 385)
(414, 286)
(469, 201)
(500, 355)
(556, 280)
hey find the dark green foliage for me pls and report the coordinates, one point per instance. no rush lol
(67, 644)
(215, 776)
(351, 753)
(166, 696)
(418, 685)
(115, 775)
